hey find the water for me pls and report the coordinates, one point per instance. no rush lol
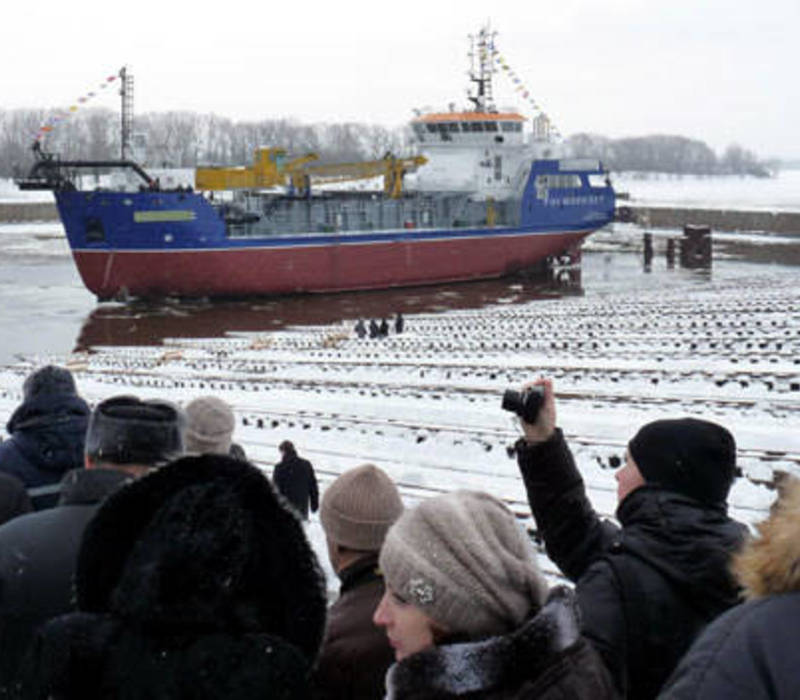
(45, 310)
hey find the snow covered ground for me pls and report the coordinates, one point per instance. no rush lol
(425, 405)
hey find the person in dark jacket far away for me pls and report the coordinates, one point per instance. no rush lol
(47, 433)
(752, 652)
(210, 423)
(646, 589)
(14, 499)
(126, 438)
(399, 323)
(356, 511)
(192, 582)
(294, 478)
(468, 614)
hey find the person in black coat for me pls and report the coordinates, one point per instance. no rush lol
(14, 499)
(752, 652)
(295, 480)
(648, 586)
(194, 581)
(126, 438)
(47, 433)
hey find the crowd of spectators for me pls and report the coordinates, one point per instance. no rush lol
(143, 556)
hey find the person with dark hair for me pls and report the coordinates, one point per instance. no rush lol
(752, 652)
(194, 581)
(357, 510)
(14, 499)
(648, 586)
(126, 439)
(47, 433)
(295, 480)
(468, 613)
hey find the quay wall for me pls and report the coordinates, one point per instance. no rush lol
(27, 211)
(717, 219)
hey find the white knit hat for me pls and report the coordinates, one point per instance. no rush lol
(209, 426)
(359, 507)
(465, 562)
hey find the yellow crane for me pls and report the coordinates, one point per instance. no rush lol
(272, 168)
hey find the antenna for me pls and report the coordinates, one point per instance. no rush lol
(482, 69)
(126, 92)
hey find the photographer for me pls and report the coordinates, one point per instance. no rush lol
(647, 586)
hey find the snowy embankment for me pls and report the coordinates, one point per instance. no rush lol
(425, 405)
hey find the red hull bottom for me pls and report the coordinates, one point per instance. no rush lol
(328, 268)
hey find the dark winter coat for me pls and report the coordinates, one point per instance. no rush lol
(356, 653)
(38, 552)
(545, 659)
(193, 582)
(47, 439)
(14, 499)
(752, 652)
(646, 589)
(294, 478)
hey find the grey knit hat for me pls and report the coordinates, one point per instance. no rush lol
(465, 562)
(359, 507)
(209, 426)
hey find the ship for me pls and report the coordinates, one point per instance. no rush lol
(487, 200)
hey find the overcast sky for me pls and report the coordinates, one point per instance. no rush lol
(722, 71)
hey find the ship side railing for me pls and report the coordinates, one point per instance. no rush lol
(53, 174)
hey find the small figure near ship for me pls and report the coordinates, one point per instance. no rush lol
(488, 201)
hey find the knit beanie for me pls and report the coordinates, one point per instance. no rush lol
(48, 380)
(465, 562)
(359, 507)
(209, 426)
(127, 430)
(693, 457)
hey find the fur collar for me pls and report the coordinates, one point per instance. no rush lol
(770, 564)
(490, 664)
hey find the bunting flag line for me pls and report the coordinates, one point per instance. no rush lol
(523, 90)
(61, 116)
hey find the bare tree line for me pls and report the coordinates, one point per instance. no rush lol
(189, 139)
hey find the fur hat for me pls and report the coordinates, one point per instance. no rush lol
(209, 426)
(127, 430)
(203, 544)
(693, 457)
(465, 562)
(767, 565)
(193, 581)
(48, 380)
(359, 507)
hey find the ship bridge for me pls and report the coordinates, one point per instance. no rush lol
(486, 153)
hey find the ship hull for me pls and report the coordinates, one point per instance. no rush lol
(402, 260)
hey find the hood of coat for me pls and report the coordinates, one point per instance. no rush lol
(688, 542)
(50, 431)
(770, 563)
(203, 546)
(491, 664)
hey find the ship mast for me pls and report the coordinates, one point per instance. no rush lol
(126, 92)
(482, 69)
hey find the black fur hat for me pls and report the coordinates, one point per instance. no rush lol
(192, 582)
(49, 380)
(203, 543)
(127, 430)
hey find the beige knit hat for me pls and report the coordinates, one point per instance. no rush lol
(209, 426)
(465, 562)
(359, 507)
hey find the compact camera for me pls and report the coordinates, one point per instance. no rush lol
(525, 404)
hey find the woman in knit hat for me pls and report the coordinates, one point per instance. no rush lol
(467, 613)
(649, 583)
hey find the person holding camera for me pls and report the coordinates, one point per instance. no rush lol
(648, 586)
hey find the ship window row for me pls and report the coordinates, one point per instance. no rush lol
(468, 127)
(558, 181)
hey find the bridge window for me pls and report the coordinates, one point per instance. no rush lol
(509, 127)
(490, 126)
